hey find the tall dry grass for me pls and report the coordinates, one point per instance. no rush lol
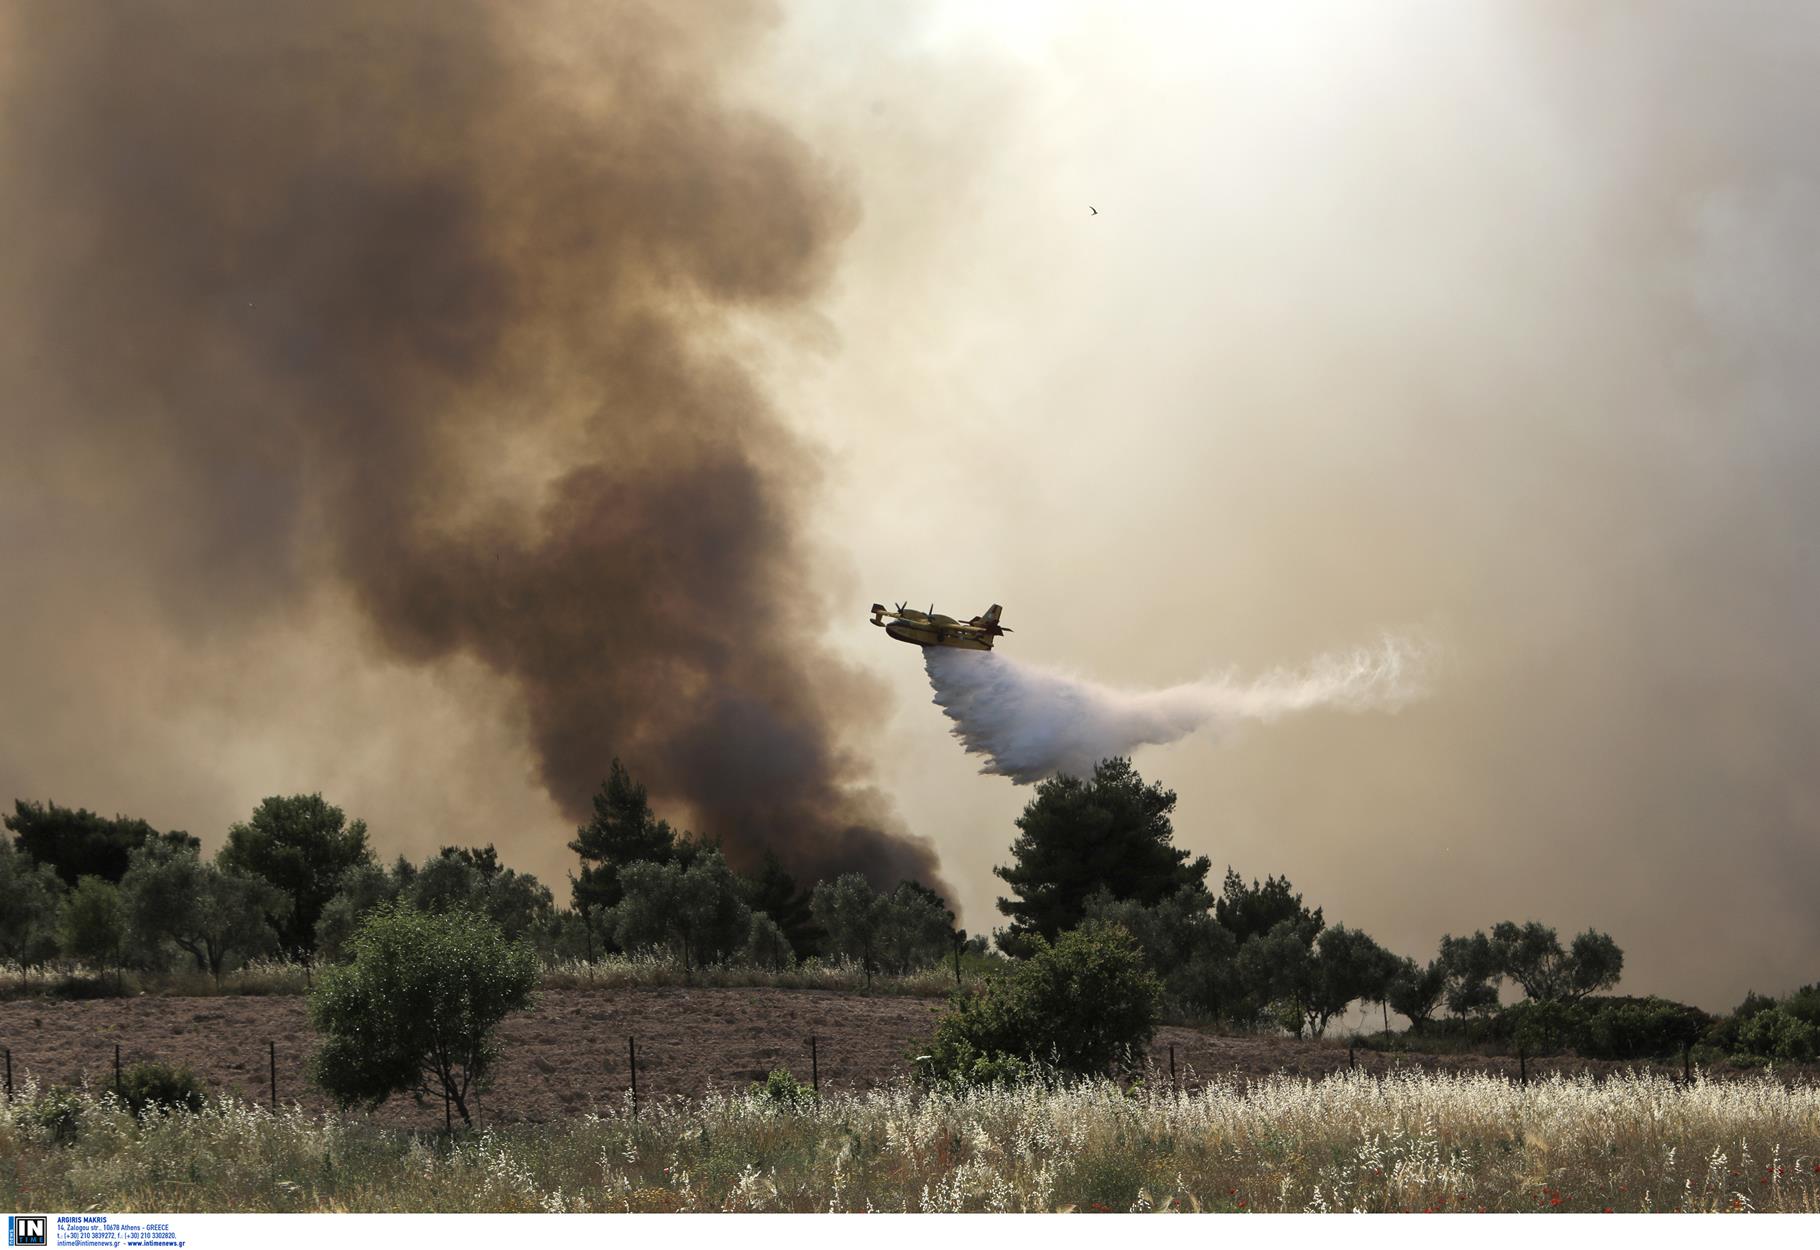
(1411, 1142)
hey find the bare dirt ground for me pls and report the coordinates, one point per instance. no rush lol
(568, 1056)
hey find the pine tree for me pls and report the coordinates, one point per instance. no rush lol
(776, 893)
(1077, 837)
(623, 831)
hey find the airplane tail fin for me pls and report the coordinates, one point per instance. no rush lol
(990, 620)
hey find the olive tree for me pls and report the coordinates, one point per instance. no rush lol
(216, 916)
(899, 932)
(417, 1008)
(93, 925)
(29, 894)
(1416, 991)
(699, 911)
(1530, 954)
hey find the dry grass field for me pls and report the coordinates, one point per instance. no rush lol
(1410, 1141)
(1250, 1123)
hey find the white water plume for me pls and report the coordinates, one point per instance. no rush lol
(1031, 722)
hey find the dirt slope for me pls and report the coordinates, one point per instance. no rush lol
(569, 1054)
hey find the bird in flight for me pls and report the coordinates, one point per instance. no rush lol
(1093, 210)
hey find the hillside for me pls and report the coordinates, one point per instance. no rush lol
(568, 1056)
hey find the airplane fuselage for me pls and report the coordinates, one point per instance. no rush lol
(936, 629)
(934, 636)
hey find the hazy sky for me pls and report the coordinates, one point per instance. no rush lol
(1492, 324)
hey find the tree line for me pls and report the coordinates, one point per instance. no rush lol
(1101, 848)
(299, 878)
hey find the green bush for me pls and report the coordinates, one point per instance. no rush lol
(783, 1089)
(58, 1111)
(766, 945)
(1804, 1005)
(1639, 1028)
(1541, 1027)
(1601, 1028)
(165, 1086)
(1073, 1007)
(1780, 1035)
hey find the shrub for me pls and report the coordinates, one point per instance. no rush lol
(1804, 1005)
(783, 1089)
(59, 1112)
(1639, 1028)
(766, 945)
(1602, 1028)
(1780, 1035)
(1182, 943)
(166, 1087)
(1075, 1006)
(1541, 1026)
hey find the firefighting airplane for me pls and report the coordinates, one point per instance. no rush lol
(932, 629)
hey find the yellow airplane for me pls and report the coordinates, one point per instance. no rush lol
(932, 629)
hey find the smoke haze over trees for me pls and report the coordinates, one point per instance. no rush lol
(1488, 320)
(422, 312)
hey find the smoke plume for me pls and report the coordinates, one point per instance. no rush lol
(424, 307)
(1031, 722)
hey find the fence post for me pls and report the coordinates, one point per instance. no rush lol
(1351, 1059)
(1687, 1071)
(632, 1064)
(118, 1091)
(274, 1071)
(1172, 1085)
(815, 1071)
(9, 1073)
(1522, 1066)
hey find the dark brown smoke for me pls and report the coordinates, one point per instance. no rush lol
(434, 303)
